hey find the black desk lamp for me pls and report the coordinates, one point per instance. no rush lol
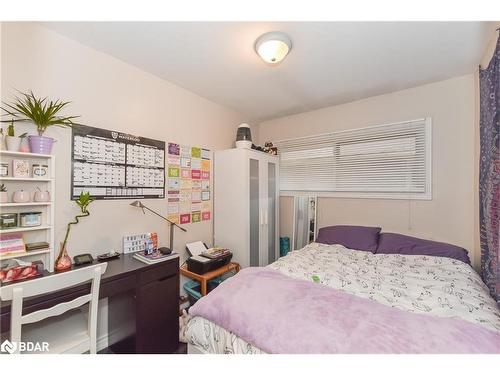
(172, 224)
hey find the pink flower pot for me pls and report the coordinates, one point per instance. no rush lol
(40, 144)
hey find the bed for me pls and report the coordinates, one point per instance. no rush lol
(348, 301)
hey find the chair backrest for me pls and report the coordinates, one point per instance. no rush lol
(16, 293)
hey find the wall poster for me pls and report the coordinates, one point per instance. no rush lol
(113, 165)
(188, 173)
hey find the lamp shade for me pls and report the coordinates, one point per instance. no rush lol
(273, 47)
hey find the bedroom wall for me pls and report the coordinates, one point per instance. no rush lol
(449, 216)
(111, 94)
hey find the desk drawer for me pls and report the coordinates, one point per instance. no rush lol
(120, 285)
(160, 271)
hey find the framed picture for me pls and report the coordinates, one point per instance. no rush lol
(20, 168)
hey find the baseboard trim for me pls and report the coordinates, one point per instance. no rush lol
(113, 337)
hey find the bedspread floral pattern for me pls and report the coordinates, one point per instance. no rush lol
(421, 284)
(216, 340)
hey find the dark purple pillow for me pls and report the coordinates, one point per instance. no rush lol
(350, 236)
(393, 243)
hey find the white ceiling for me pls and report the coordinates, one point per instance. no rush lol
(330, 62)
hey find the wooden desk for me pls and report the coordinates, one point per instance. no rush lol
(155, 289)
(203, 279)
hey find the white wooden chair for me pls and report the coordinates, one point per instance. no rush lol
(72, 334)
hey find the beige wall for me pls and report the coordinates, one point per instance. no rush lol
(449, 216)
(110, 94)
(286, 217)
(490, 48)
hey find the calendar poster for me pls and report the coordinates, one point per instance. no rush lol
(188, 173)
(113, 165)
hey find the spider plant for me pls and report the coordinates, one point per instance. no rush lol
(40, 111)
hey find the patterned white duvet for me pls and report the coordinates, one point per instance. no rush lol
(421, 284)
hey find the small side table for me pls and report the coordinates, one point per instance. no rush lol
(203, 279)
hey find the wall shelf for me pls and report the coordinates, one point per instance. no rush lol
(26, 179)
(28, 204)
(44, 232)
(24, 154)
(26, 254)
(25, 229)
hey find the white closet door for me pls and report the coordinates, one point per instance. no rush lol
(255, 213)
(272, 209)
(263, 210)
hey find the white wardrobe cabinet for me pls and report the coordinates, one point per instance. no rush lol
(246, 204)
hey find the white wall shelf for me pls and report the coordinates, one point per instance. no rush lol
(26, 179)
(28, 204)
(26, 229)
(44, 232)
(26, 254)
(24, 154)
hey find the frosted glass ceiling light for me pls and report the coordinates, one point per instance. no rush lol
(273, 47)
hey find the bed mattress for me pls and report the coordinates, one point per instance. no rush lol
(430, 285)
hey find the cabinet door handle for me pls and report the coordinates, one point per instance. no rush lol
(265, 217)
(261, 218)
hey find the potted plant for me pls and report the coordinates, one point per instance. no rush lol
(63, 261)
(13, 142)
(41, 112)
(4, 197)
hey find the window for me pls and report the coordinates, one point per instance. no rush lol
(386, 161)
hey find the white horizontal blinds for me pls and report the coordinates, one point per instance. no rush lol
(387, 159)
(307, 164)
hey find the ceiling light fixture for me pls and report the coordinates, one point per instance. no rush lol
(273, 47)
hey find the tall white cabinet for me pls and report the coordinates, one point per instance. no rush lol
(246, 205)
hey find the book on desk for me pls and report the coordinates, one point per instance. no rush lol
(155, 257)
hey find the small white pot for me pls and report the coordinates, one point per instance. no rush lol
(4, 197)
(21, 196)
(42, 196)
(13, 143)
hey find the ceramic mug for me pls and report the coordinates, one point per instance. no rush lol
(42, 196)
(21, 196)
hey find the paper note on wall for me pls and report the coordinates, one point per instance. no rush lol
(188, 174)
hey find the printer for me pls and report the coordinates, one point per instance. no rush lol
(202, 259)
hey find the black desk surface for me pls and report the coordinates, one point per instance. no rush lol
(117, 268)
(154, 287)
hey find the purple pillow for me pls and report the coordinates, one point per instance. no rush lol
(350, 236)
(393, 243)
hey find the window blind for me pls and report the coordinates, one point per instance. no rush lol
(391, 161)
